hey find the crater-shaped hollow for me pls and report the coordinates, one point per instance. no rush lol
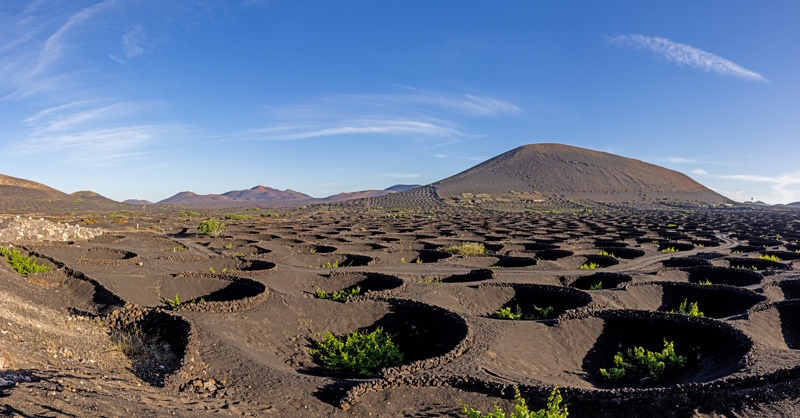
(683, 262)
(713, 350)
(420, 331)
(472, 276)
(724, 275)
(712, 301)
(559, 298)
(514, 262)
(758, 264)
(606, 281)
(552, 255)
(368, 282)
(625, 253)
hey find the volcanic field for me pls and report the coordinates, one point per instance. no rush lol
(153, 318)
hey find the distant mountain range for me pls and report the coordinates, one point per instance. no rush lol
(794, 205)
(530, 172)
(268, 195)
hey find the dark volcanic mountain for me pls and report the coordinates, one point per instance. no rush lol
(266, 193)
(555, 170)
(137, 202)
(18, 195)
(256, 195)
(403, 187)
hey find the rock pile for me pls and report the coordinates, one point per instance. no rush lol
(28, 229)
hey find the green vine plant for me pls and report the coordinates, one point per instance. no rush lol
(176, 303)
(364, 353)
(539, 313)
(669, 250)
(596, 286)
(339, 295)
(553, 409)
(22, 265)
(589, 266)
(638, 363)
(688, 308)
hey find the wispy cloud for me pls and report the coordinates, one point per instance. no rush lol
(400, 175)
(700, 171)
(412, 113)
(686, 56)
(694, 160)
(89, 133)
(441, 155)
(53, 48)
(786, 186)
(418, 99)
(347, 127)
(133, 42)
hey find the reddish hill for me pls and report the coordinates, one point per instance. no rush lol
(25, 196)
(266, 193)
(555, 170)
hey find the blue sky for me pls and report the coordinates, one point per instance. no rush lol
(144, 99)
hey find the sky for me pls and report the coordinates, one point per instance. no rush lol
(143, 99)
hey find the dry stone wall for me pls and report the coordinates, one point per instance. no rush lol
(21, 229)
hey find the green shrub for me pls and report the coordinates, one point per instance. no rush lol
(554, 409)
(669, 250)
(175, 304)
(596, 286)
(705, 282)
(467, 248)
(606, 254)
(753, 268)
(236, 217)
(770, 258)
(339, 295)
(539, 313)
(363, 353)
(22, 265)
(638, 363)
(210, 227)
(189, 214)
(689, 309)
(589, 266)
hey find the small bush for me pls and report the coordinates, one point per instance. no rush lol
(87, 221)
(606, 254)
(705, 282)
(236, 217)
(189, 214)
(770, 258)
(539, 313)
(156, 228)
(596, 286)
(589, 266)
(339, 295)
(363, 353)
(669, 250)
(210, 227)
(554, 409)
(175, 304)
(22, 265)
(638, 363)
(467, 248)
(689, 309)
